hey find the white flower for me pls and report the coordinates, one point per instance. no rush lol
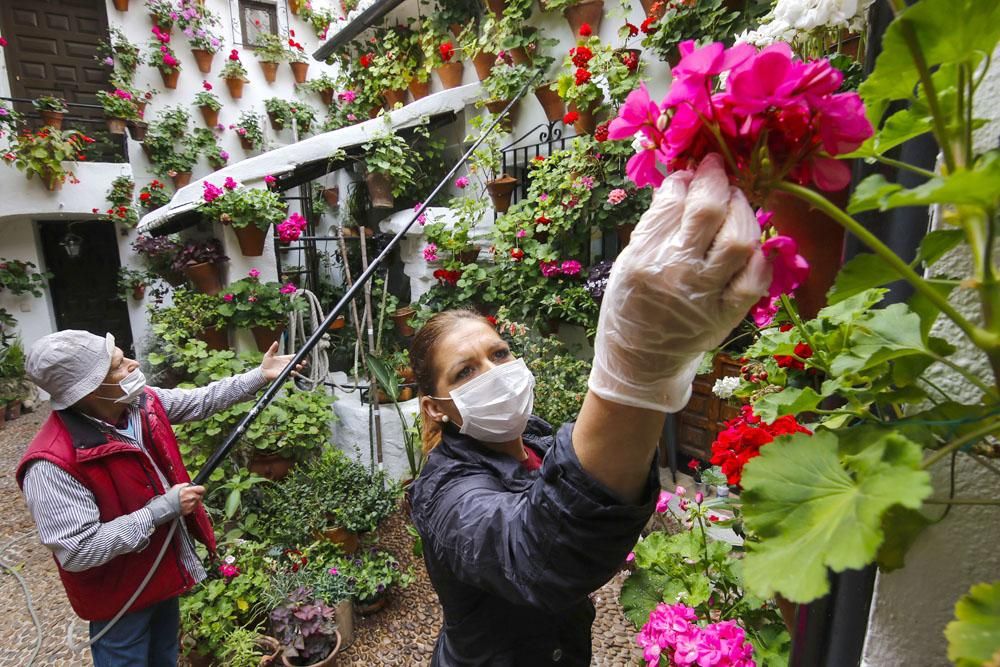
(724, 387)
(230, 560)
(792, 20)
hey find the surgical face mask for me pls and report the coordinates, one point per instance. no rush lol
(131, 385)
(496, 405)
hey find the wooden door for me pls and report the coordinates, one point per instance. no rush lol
(84, 289)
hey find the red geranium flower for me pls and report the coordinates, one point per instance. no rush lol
(516, 254)
(585, 30)
(647, 25)
(447, 50)
(581, 55)
(365, 60)
(742, 439)
(582, 76)
(633, 30)
(571, 117)
(542, 220)
(601, 131)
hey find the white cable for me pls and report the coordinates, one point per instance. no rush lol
(27, 595)
(318, 368)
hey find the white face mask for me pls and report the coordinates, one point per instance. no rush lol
(131, 385)
(496, 405)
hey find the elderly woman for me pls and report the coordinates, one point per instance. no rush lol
(519, 524)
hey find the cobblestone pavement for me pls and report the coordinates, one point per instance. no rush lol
(401, 634)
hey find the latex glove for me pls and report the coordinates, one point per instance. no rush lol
(692, 271)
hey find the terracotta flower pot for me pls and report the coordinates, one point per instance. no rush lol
(402, 319)
(552, 104)
(204, 59)
(115, 125)
(419, 89)
(170, 79)
(270, 466)
(52, 181)
(343, 614)
(299, 71)
(204, 277)
(246, 143)
(140, 108)
(210, 115)
(379, 190)
(181, 179)
(328, 661)
(276, 122)
(483, 63)
(450, 74)
(251, 240)
(496, 106)
(497, 7)
(264, 336)
(271, 648)
(332, 196)
(326, 95)
(235, 86)
(590, 12)
(121, 5)
(520, 56)
(215, 338)
(347, 539)
(137, 129)
(338, 323)
(138, 292)
(53, 119)
(294, 6)
(586, 121)
(391, 97)
(369, 607)
(469, 255)
(501, 190)
(270, 71)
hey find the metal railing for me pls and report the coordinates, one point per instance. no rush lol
(85, 118)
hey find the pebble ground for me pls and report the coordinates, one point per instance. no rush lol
(401, 634)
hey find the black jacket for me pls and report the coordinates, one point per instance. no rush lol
(514, 554)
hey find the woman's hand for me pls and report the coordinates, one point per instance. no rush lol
(691, 272)
(274, 363)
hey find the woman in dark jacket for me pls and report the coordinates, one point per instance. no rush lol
(519, 524)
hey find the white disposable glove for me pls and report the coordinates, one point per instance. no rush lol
(692, 271)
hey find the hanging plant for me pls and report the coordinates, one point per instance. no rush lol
(119, 107)
(51, 109)
(324, 86)
(153, 195)
(163, 58)
(250, 211)
(235, 74)
(43, 153)
(207, 144)
(21, 277)
(270, 50)
(199, 25)
(163, 14)
(297, 59)
(708, 20)
(120, 54)
(249, 129)
(319, 19)
(281, 113)
(209, 105)
(387, 163)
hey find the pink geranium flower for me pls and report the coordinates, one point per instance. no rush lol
(430, 252)
(288, 288)
(789, 271)
(230, 183)
(462, 182)
(617, 196)
(253, 273)
(270, 180)
(571, 267)
(211, 192)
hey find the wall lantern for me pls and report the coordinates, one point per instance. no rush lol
(72, 244)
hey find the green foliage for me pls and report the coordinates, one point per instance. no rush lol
(282, 113)
(50, 103)
(249, 126)
(560, 376)
(125, 55)
(13, 382)
(242, 207)
(206, 98)
(190, 313)
(831, 516)
(118, 104)
(387, 153)
(271, 48)
(21, 277)
(241, 649)
(169, 142)
(704, 21)
(43, 153)
(249, 302)
(974, 635)
(374, 572)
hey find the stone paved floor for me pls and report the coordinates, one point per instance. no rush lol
(402, 634)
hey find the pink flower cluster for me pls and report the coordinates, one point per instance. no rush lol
(673, 633)
(254, 273)
(778, 118)
(230, 183)
(569, 267)
(162, 36)
(288, 288)
(347, 96)
(122, 94)
(291, 228)
(229, 571)
(617, 196)
(430, 252)
(211, 192)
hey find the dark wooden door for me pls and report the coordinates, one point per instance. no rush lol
(84, 288)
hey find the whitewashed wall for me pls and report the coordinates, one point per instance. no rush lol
(912, 606)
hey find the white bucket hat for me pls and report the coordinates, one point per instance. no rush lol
(69, 364)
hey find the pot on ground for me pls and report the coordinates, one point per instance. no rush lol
(271, 648)
(53, 119)
(402, 318)
(137, 129)
(373, 605)
(552, 104)
(264, 336)
(347, 539)
(270, 71)
(180, 179)
(270, 466)
(235, 86)
(392, 97)
(251, 240)
(328, 661)
(590, 12)
(204, 277)
(13, 410)
(450, 74)
(115, 125)
(379, 190)
(138, 292)
(501, 190)
(170, 78)
(299, 71)
(210, 115)
(215, 338)
(204, 59)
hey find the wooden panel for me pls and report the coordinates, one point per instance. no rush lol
(700, 422)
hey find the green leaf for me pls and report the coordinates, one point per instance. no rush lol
(936, 243)
(789, 401)
(861, 273)
(232, 503)
(888, 333)
(640, 595)
(902, 527)
(978, 186)
(974, 635)
(926, 310)
(812, 511)
(850, 309)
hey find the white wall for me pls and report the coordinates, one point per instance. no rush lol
(913, 605)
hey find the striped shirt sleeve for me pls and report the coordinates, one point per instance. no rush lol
(187, 405)
(69, 523)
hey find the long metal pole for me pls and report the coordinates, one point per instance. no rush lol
(237, 433)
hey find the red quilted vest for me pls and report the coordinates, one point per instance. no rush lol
(122, 480)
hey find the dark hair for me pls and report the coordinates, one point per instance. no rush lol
(422, 352)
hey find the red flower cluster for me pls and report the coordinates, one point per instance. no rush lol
(447, 51)
(631, 60)
(582, 76)
(585, 30)
(234, 55)
(571, 117)
(581, 55)
(144, 197)
(647, 25)
(633, 30)
(365, 60)
(447, 277)
(601, 131)
(742, 439)
(516, 254)
(542, 220)
(802, 351)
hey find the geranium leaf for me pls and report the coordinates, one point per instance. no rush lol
(974, 635)
(863, 272)
(901, 526)
(979, 186)
(789, 401)
(812, 511)
(887, 333)
(935, 244)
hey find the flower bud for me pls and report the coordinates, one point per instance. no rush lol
(699, 497)
(661, 122)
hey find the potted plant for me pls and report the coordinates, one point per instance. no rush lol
(200, 262)
(324, 86)
(51, 109)
(199, 23)
(331, 196)
(388, 168)
(481, 41)
(305, 628)
(158, 253)
(441, 55)
(250, 211)
(119, 107)
(248, 128)
(132, 283)
(297, 59)
(504, 83)
(163, 58)
(393, 63)
(246, 647)
(578, 13)
(120, 196)
(163, 14)
(235, 74)
(153, 195)
(376, 573)
(119, 53)
(209, 105)
(486, 165)
(20, 277)
(261, 307)
(43, 153)
(711, 20)
(282, 112)
(270, 51)
(13, 381)
(319, 18)
(579, 84)
(205, 142)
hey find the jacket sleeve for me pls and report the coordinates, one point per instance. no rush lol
(186, 405)
(547, 547)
